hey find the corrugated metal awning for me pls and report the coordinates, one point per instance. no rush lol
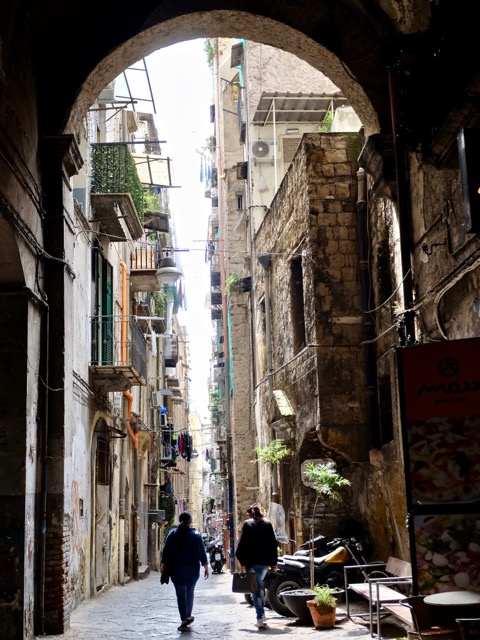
(295, 108)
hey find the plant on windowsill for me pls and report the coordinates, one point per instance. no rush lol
(232, 283)
(273, 453)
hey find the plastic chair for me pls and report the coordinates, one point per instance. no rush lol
(424, 626)
(469, 628)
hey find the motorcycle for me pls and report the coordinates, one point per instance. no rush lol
(217, 559)
(293, 571)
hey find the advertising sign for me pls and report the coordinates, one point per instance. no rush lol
(440, 399)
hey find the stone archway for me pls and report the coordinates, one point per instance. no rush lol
(225, 24)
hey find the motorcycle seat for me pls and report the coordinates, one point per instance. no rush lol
(305, 560)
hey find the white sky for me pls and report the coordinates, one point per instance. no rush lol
(182, 86)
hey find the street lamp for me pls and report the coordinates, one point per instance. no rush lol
(167, 271)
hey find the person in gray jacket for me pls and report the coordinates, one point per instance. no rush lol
(183, 553)
(257, 551)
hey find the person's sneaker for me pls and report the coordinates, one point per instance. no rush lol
(264, 618)
(190, 620)
(183, 626)
(261, 624)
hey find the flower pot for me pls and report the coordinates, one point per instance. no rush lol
(321, 620)
(296, 601)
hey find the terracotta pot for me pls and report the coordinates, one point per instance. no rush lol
(321, 620)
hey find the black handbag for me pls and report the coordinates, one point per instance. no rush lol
(244, 582)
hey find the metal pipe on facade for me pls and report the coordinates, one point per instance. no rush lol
(366, 285)
(403, 207)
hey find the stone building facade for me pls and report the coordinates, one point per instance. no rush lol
(410, 70)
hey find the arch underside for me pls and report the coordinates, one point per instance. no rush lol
(357, 45)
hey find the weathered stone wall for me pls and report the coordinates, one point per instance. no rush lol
(313, 219)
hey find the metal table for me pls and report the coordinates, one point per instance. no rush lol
(445, 607)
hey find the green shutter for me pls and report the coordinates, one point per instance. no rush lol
(107, 313)
(96, 320)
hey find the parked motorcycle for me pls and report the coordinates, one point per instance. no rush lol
(217, 559)
(293, 571)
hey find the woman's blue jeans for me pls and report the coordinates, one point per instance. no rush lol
(259, 596)
(184, 600)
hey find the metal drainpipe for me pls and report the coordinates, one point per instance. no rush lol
(403, 206)
(44, 472)
(265, 260)
(131, 433)
(368, 325)
(136, 485)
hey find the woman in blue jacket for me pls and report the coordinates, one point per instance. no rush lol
(183, 553)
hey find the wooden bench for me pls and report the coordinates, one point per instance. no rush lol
(380, 588)
(400, 612)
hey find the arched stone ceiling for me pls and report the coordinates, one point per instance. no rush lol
(225, 24)
(425, 49)
(92, 42)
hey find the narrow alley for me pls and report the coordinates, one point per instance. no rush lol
(147, 610)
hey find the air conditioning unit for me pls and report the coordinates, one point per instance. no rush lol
(163, 419)
(156, 399)
(263, 150)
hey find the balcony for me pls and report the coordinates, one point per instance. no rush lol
(144, 263)
(221, 435)
(167, 448)
(116, 191)
(170, 351)
(119, 354)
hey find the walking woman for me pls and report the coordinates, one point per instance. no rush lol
(257, 551)
(183, 553)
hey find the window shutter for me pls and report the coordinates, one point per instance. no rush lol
(107, 313)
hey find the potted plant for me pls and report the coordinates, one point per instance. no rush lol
(323, 607)
(327, 482)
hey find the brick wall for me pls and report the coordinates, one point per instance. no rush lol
(57, 593)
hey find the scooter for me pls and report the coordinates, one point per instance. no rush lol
(293, 571)
(217, 559)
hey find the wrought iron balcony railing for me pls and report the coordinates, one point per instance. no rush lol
(119, 353)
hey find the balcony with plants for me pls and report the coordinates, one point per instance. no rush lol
(116, 192)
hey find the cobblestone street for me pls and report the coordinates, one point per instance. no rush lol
(147, 610)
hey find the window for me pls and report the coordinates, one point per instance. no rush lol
(102, 462)
(297, 305)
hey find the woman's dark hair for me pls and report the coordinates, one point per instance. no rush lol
(185, 518)
(254, 511)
